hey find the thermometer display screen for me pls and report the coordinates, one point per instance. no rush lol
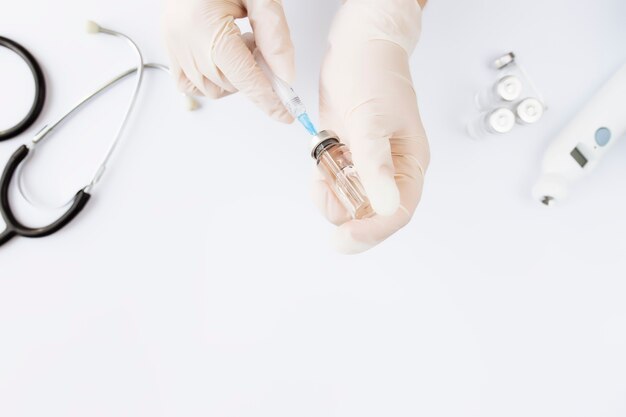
(579, 157)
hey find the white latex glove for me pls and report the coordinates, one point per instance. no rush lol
(367, 98)
(209, 55)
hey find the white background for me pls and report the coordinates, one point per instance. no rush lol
(199, 281)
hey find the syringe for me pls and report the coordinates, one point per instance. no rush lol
(287, 96)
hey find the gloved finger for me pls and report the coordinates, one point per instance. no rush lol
(209, 70)
(358, 236)
(271, 32)
(234, 59)
(189, 78)
(201, 63)
(326, 201)
(248, 39)
(184, 84)
(367, 134)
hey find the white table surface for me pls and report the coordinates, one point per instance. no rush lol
(199, 281)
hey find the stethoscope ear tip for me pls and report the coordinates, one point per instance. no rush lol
(191, 103)
(92, 27)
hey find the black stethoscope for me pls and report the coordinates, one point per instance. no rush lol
(13, 226)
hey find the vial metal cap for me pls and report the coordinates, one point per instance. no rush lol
(501, 120)
(320, 141)
(529, 110)
(505, 60)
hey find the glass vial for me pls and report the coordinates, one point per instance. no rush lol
(334, 160)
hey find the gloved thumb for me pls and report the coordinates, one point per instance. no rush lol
(371, 153)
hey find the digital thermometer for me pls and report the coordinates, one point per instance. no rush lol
(584, 141)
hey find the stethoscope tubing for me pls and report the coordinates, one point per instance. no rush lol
(40, 90)
(13, 226)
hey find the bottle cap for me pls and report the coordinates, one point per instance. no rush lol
(321, 140)
(529, 110)
(509, 88)
(501, 120)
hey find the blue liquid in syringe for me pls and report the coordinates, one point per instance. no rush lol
(307, 123)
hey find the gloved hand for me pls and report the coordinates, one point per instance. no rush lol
(209, 55)
(367, 97)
